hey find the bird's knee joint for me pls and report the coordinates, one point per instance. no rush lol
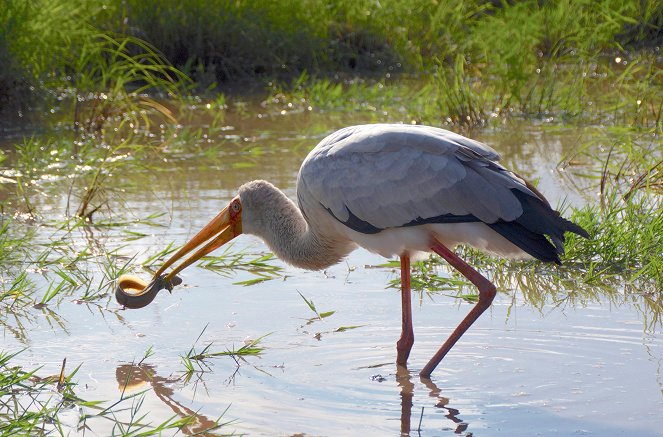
(488, 292)
(405, 342)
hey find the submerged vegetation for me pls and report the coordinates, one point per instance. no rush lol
(111, 85)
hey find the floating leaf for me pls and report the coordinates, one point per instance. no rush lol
(347, 328)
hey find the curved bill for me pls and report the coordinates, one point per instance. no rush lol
(135, 293)
(221, 229)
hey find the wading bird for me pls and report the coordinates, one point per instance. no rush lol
(396, 190)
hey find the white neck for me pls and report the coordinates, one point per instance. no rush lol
(270, 215)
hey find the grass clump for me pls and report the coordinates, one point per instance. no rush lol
(627, 236)
(113, 75)
(196, 361)
(627, 224)
(31, 405)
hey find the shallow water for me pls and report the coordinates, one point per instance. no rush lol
(560, 368)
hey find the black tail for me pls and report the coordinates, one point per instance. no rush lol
(539, 230)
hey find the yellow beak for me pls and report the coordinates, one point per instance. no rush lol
(133, 292)
(221, 229)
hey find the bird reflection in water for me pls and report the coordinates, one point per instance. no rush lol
(404, 380)
(132, 376)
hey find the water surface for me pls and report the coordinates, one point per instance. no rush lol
(547, 368)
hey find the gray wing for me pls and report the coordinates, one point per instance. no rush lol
(374, 177)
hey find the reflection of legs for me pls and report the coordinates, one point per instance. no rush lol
(486, 295)
(131, 376)
(404, 380)
(404, 344)
(407, 394)
(442, 402)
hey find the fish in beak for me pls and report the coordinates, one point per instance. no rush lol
(132, 292)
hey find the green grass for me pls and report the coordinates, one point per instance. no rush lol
(320, 316)
(626, 240)
(32, 405)
(15, 240)
(229, 39)
(113, 75)
(627, 224)
(461, 63)
(27, 405)
(524, 44)
(424, 279)
(457, 63)
(230, 261)
(197, 361)
(466, 96)
(48, 257)
(311, 305)
(87, 169)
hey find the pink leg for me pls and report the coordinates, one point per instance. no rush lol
(486, 295)
(404, 344)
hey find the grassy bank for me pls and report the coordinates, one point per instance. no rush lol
(230, 40)
(486, 54)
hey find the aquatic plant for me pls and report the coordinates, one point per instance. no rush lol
(627, 224)
(311, 305)
(230, 261)
(31, 404)
(195, 361)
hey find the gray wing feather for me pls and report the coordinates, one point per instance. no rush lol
(390, 175)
